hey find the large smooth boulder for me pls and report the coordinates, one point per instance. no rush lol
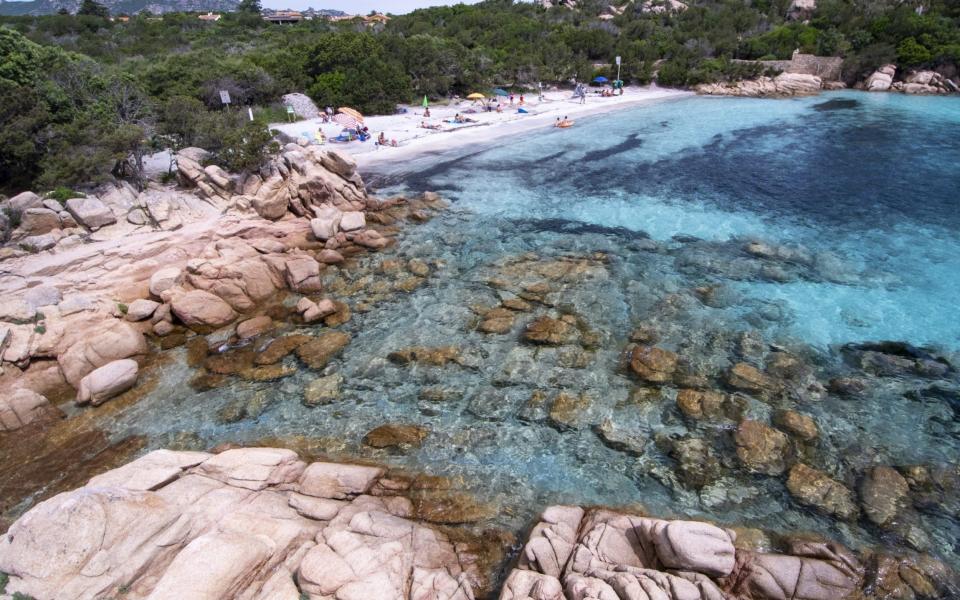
(303, 274)
(24, 201)
(141, 309)
(37, 221)
(20, 407)
(90, 212)
(797, 84)
(103, 383)
(164, 279)
(114, 342)
(352, 221)
(199, 308)
(881, 79)
(326, 223)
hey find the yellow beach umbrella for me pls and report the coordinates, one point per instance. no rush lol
(346, 110)
(476, 96)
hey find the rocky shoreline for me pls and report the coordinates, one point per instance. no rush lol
(259, 523)
(798, 84)
(230, 273)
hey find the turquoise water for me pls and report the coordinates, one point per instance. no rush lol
(868, 183)
(853, 195)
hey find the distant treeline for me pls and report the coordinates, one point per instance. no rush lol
(112, 88)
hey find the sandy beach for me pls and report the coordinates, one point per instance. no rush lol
(414, 140)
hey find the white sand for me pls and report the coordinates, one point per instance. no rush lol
(414, 140)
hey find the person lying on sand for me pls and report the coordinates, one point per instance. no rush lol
(426, 125)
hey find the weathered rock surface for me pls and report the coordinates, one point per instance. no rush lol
(244, 524)
(90, 212)
(21, 407)
(118, 340)
(784, 84)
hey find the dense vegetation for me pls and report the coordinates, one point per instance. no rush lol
(82, 96)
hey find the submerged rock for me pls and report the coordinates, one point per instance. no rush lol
(816, 489)
(620, 438)
(883, 493)
(761, 448)
(323, 390)
(743, 376)
(317, 352)
(653, 364)
(796, 424)
(549, 331)
(395, 435)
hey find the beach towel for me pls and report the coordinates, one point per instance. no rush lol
(522, 111)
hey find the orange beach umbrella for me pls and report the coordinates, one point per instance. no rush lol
(346, 110)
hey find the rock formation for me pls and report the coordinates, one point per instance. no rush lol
(177, 261)
(300, 180)
(254, 523)
(784, 84)
(577, 554)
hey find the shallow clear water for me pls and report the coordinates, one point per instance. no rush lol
(860, 190)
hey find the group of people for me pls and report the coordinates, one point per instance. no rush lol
(564, 122)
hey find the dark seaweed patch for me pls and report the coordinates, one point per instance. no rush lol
(836, 104)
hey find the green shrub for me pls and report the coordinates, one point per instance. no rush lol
(123, 308)
(62, 193)
(4, 579)
(14, 216)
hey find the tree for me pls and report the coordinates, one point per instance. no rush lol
(93, 8)
(912, 53)
(249, 7)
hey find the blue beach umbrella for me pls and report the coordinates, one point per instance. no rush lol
(600, 79)
(501, 92)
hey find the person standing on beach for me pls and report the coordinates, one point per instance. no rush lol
(521, 100)
(540, 91)
(511, 99)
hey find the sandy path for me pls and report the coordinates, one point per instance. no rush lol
(414, 140)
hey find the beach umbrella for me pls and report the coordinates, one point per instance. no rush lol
(346, 120)
(600, 79)
(476, 96)
(345, 110)
(501, 92)
(426, 102)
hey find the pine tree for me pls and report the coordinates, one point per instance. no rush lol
(249, 6)
(93, 9)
